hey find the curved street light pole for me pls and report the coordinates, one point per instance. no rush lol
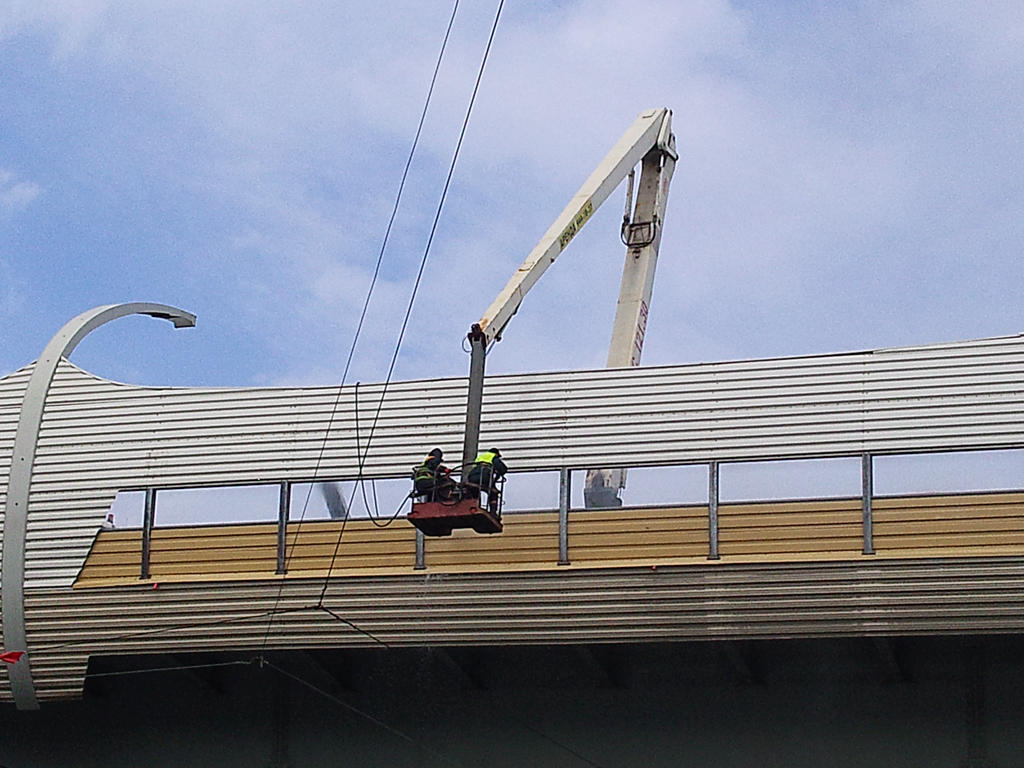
(12, 587)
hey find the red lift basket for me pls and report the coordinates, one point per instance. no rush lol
(440, 518)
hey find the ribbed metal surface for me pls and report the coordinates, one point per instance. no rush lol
(930, 526)
(98, 437)
(12, 390)
(610, 537)
(829, 528)
(980, 524)
(568, 605)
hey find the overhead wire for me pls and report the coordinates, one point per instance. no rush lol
(275, 610)
(494, 706)
(264, 663)
(422, 267)
(359, 712)
(180, 668)
(362, 316)
(537, 732)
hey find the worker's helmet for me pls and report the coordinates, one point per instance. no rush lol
(495, 451)
(437, 452)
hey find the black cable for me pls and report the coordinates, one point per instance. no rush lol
(359, 712)
(173, 628)
(426, 254)
(356, 628)
(344, 522)
(497, 708)
(522, 724)
(366, 304)
(91, 675)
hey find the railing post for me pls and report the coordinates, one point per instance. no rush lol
(421, 555)
(564, 497)
(148, 513)
(867, 486)
(713, 510)
(284, 506)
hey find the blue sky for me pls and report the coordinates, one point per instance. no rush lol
(850, 176)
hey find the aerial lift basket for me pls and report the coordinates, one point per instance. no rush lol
(471, 508)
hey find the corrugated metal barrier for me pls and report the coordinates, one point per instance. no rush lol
(787, 569)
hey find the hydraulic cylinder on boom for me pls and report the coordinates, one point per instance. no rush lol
(650, 143)
(648, 140)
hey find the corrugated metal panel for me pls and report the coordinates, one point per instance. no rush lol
(528, 541)
(115, 558)
(99, 436)
(828, 528)
(567, 605)
(938, 526)
(364, 547)
(238, 551)
(949, 526)
(614, 537)
(235, 552)
(12, 391)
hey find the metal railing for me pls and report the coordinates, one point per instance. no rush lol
(564, 508)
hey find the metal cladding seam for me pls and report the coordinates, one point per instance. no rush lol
(569, 606)
(99, 437)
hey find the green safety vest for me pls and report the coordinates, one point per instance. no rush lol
(486, 458)
(423, 472)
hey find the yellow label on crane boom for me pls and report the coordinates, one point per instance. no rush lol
(576, 224)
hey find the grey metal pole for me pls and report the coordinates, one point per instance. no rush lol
(564, 496)
(475, 400)
(284, 505)
(421, 553)
(19, 483)
(867, 485)
(713, 511)
(148, 514)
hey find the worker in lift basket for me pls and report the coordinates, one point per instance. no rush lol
(431, 479)
(487, 470)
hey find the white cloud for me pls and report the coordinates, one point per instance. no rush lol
(73, 21)
(818, 159)
(15, 195)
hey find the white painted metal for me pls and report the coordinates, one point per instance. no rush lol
(98, 437)
(558, 606)
(641, 231)
(19, 477)
(635, 143)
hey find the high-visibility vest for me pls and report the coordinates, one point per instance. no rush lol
(423, 472)
(487, 457)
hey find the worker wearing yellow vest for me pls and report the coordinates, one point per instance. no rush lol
(487, 471)
(431, 479)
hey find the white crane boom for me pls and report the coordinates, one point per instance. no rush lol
(641, 233)
(649, 140)
(652, 129)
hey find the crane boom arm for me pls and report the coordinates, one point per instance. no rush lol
(650, 135)
(651, 129)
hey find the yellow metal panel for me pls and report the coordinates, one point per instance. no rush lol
(796, 528)
(527, 539)
(964, 525)
(637, 535)
(955, 525)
